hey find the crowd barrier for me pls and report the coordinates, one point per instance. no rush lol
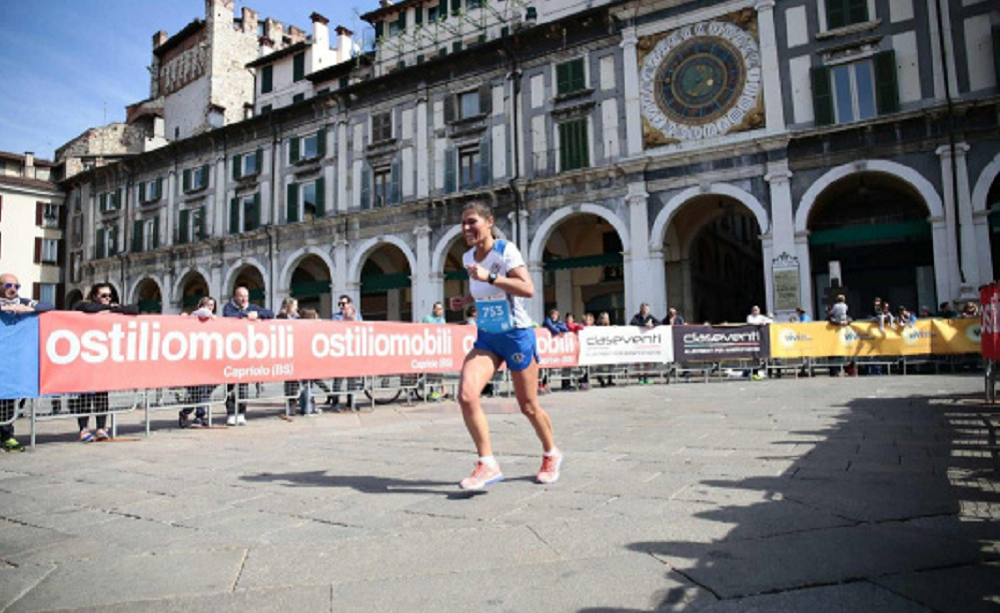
(170, 363)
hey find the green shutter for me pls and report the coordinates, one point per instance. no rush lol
(886, 86)
(237, 166)
(137, 236)
(186, 180)
(99, 247)
(234, 216)
(394, 182)
(366, 187)
(255, 211)
(292, 203)
(562, 78)
(259, 161)
(402, 21)
(578, 76)
(321, 143)
(418, 15)
(113, 240)
(857, 11)
(201, 223)
(378, 29)
(299, 66)
(822, 92)
(102, 202)
(836, 14)
(456, 6)
(156, 232)
(485, 162)
(293, 150)
(142, 192)
(450, 170)
(182, 227)
(267, 79)
(320, 197)
(159, 187)
(204, 176)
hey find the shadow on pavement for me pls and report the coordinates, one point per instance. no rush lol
(363, 483)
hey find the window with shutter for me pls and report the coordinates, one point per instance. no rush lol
(366, 188)
(292, 203)
(485, 162)
(156, 232)
(570, 77)
(100, 246)
(394, 182)
(267, 79)
(39, 213)
(183, 230)
(450, 163)
(38, 250)
(299, 67)
(237, 166)
(841, 13)
(320, 197)
(254, 213)
(574, 150)
(886, 87)
(822, 95)
(198, 223)
(137, 228)
(142, 192)
(321, 143)
(234, 216)
(293, 150)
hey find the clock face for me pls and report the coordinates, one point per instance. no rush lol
(700, 81)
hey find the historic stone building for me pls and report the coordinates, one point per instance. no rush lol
(705, 155)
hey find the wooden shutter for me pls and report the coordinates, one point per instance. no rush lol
(402, 21)
(562, 78)
(450, 170)
(99, 247)
(137, 236)
(418, 15)
(113, 240)
(366, 187)
(118, 198)
(456, 6)
(39, 213)
(255, 210)
(258, 161)
(204, 176)
(394, 182)
(379, 26)
(182, 227)
(299, 66)
(485, 162)
(886, 86)
(320, 197)
(36, 291)
(293, 150)
(159, 187)
(836, 14)
(38, 250)
(200, 229)
(449, 108)
(321, 143)
(156, 232)
(292, 203)
(857, 11)
(61, 296)
(485, 99)
(267, 79)
(822, 92)
(237, 166)
(142, 192)
(234, 216)
(186, 180)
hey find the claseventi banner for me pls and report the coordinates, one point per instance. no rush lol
(82, 352)
(711, 343)
(625, 345)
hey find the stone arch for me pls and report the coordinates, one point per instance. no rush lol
(233, 271)
(368, 246)
(664, 217)
(73, 296)
(904, 173)
(177, 292)
(296, 258)
(983, 184)
(134, 290)
(444, 246)
(537, 247)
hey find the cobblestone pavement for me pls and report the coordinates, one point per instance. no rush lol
(826, 494)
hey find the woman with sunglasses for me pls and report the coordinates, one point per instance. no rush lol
(100, 299)
(498, 283)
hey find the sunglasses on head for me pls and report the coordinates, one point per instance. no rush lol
(12, 285)
(103, 295)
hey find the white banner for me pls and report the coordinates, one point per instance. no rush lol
(625, 345)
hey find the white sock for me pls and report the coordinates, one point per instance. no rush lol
(488, 460)
(548, 454)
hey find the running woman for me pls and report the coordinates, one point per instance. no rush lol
(499, 282)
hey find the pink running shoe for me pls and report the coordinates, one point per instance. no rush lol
(481, 476)
(549, 472)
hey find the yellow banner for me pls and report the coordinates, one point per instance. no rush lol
(927, 336)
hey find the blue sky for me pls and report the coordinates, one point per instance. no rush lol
(70, 65)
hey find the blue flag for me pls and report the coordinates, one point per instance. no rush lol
(19, 366)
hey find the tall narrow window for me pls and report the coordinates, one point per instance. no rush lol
(841, 13)
(574, 150)
(267, 79)
(299, 66)
(570, 77)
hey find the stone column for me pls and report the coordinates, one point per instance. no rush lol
(782, 231)
(423, 161)
(805, 274)
(425, 292)
(981, 231)
(645, 280)
(633, 110)
(767, 252)
(945, 282)
(969, 260)
(339, 283)
(770, 77)
(342, 172)
(536, 305)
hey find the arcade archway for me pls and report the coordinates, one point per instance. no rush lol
(386, 294)
(148, 297)
(310, 285)
(251, 278)
(193, 288)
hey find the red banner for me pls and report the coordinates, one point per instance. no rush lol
(82, 352)
(989, 309)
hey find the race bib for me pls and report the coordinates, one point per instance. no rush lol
(493, 316)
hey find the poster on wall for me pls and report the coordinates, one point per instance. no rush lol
(785, 270)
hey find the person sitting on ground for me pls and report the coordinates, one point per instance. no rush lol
(756, 318)
(673, 318)
(838, 311)
(100, 299)
(198, 393)
(12, 309)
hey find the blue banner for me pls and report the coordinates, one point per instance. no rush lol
(19, 366)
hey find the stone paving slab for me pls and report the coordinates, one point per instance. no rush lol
(822, 494)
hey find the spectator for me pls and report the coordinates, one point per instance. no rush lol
(571, 324)
(801, 316)
(673, 318)
(945, 311)
(13, 307)
(290, 310)
(971, 309)
(877, 309)
(240, 307)
(643, 318)
(436, 316)
(556, 327)
(198, 393)
(905, 317)
(838, 312)
(347, 312)
(470, 315)
(887, 318)
(756, 318)
(307, 404)
(925, 312)
(603, 319)
(99, 300)
(588, 319)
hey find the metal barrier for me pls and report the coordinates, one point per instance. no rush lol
(188, 399)
(76, 406)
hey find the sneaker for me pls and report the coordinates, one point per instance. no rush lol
(11, 444)
(101, 435)
(197, 422)
(549, 472)
(241, 420)
(481, 476)
(86, 436)
(584, 386)
(231, 420)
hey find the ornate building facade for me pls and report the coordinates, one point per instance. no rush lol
(703, 155)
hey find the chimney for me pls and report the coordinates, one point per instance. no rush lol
(159, 38)
(29, 165)
(344, 44)
(321, 31)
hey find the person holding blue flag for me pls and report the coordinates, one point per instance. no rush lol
(13, 307)
(498, 283)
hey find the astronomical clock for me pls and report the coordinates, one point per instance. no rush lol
(700, 81)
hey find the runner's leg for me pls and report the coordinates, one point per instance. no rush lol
(526, 390)
(477, 370)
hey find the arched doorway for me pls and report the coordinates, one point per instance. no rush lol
(73, 297)
(148, 297)
(193, 288)
(251, 278)
(714, 261)
(583, 269)
(386, 294)
(456, 279)
(873, 230)
(310, 285)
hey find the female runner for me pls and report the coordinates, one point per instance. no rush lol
(499, 282)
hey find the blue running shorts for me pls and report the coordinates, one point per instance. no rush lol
(516, 347)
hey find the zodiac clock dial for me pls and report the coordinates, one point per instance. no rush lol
(700, 81)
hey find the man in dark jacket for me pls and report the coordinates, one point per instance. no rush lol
(644, 318)
(241, 307)
(13, 307)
